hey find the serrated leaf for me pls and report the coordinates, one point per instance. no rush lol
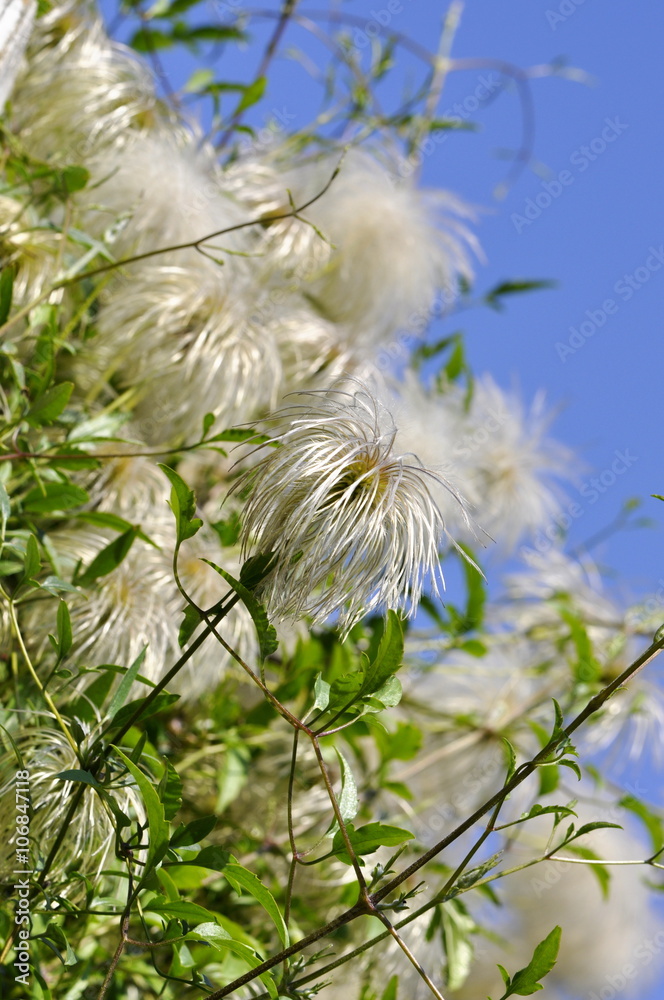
(267, 635)
(389, 656)
(157, 826)
(47, 407)
(241, 878)
(54, 496)
(183, 504)
(526, 980)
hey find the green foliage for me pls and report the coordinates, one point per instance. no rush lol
(527, 980)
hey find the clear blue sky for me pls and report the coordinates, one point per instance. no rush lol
(587, 213)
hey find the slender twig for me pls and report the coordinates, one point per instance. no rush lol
(411, 958)
(363, 907)
(294, 213)
(284, 17)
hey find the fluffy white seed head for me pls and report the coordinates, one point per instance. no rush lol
(187, 347)
(351, 523)
(16, 21)
(90, 835)
(31, 244)
(386, 250)
(159, 189)
(80, 92)
(494, 450)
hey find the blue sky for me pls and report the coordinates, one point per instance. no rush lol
(586, 213)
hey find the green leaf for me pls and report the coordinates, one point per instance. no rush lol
(526, 980)
(457, 927)
(158, 704)
(74, 178)
(32, 563)
(390, 991)
(601, 872)
(652, 822)
(252, 94)
(47, 407)
(211, 857)
(181, 910)
(5, 511)
(157, 825)
(78, 775)
(63, 622)
(124, 687)
(193, 832)
(108, 559)
(54, 496)
(189, 624)
(510, 754)
(267, 635)
(55, 936)
(228, 530)
(183, 505)
(219, 938)
(368, 839)
(493, 297)
(239, 434)
(321, 694)
(170, 791)
(6, 291)
(389, 656)
(240, 878)
(348, 801)
(113, 521)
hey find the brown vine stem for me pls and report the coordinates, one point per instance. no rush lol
(361, 908)
(294, 213)
(392, 931)
(284, 17)
(527, 769)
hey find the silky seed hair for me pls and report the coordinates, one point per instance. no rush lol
(352, 525)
